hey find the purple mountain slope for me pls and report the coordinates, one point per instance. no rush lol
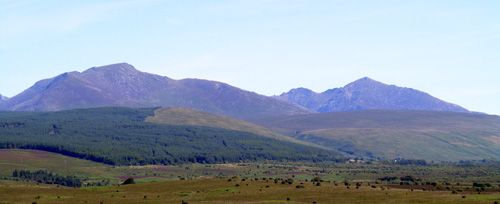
(365, 94)
(3, 98)
(123, 85)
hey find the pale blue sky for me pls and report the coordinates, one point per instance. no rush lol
(450, 49)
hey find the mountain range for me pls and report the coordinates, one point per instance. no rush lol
(123, 85)
(364, 94)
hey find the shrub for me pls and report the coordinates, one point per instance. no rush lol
(299, 186)
(317, 179)
(129, 181)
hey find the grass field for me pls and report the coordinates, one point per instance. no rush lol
(93, 172)
(221, 190)
(245, 182)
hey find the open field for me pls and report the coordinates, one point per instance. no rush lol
(247, 182)
(93, 172)
(235, 190)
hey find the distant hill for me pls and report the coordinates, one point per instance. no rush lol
(430, 135)
(123, 85)
(183, 116)
(121, 136)
(365, 94)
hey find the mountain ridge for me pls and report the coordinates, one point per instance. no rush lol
(365, 94)
(123, 85)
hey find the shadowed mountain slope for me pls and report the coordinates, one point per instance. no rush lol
(366, 94)
(123, 85)
(430, 135)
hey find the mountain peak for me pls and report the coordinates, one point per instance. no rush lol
(365, 80)
(366, 93)
(118, 67)
(123, 85)
(299, 90)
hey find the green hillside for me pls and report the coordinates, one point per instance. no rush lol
(430, 135)
(183, 116)
(120, 136)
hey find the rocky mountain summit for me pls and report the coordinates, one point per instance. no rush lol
(367, 93)
(123, 85)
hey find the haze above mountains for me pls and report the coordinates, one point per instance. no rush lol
(123, 85)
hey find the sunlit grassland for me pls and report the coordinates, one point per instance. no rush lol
(94, 173)
(221, 190)
(244, 182)
(389, 134)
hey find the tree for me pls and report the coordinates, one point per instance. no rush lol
(129, 181)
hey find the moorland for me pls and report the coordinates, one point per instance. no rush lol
(255, 182)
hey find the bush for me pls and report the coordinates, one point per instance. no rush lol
(317, 179)
(129, 181)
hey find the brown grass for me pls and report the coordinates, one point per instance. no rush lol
(219, 190)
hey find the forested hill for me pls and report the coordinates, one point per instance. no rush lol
(120, 136)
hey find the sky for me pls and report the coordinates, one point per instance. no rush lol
(449, 49)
